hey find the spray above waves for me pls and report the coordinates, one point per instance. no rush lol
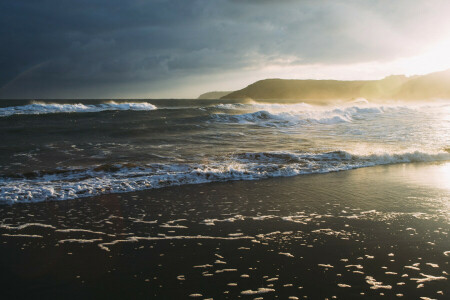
(78, 183)
(294, 114)
(284, 115)
(37, 108)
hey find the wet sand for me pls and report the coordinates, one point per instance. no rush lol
(370, 233)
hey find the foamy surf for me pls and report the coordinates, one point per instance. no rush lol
(267, 119)
(285, 115)
(74, 156)
(38, 108)
(78, 183)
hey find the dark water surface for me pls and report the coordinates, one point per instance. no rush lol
(66, 149)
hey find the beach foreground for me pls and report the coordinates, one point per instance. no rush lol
(364, 233)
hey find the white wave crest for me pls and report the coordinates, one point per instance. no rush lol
(282, 115)
(51, 108)
(245, 166)
(266, 106)
(285, 119)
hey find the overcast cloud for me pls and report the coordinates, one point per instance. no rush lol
(137, 48)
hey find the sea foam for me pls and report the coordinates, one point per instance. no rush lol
(78, 183)
(284, 115)
(38, 108)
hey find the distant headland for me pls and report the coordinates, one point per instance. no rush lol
(396, 87)
(214, 95)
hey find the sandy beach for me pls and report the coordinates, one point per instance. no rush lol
(365, 233)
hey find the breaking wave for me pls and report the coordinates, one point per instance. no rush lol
(284, 119)
(38, 108)
(76, 183)
(282, 115)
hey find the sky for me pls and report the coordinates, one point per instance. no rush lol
(182, 48)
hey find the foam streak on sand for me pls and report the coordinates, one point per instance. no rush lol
(26, 225)
(133, 239)
(259, 291)
(375, 285)
(286, 254)
(427, 278)
(79, 230)
(23, 235)
(79, 241)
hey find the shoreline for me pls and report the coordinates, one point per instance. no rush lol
(63, 188)
(351, 234)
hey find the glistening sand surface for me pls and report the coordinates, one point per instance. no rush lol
(371, 233)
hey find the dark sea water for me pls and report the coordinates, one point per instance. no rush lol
(67, 149)
(203, 217)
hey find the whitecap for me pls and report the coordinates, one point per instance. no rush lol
(37, 108)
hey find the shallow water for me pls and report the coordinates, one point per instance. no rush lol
(55, 150)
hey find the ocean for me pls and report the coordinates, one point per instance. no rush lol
(212, 199)
(68, 149)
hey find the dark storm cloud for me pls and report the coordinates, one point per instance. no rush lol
(53, 47)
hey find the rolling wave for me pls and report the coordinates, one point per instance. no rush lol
(38, 108)
(282, 119)
(285, 115)
(77, 183)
